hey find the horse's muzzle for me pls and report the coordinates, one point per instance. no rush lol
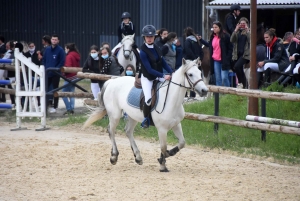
(202, 93)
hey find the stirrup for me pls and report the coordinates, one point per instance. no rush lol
(145, 123)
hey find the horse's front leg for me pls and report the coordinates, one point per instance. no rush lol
(181, 142)
(130, 125)
(164, 152)
(111, 131)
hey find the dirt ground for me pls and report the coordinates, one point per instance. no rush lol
(71, 164)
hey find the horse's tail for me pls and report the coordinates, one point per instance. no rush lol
(100, 112)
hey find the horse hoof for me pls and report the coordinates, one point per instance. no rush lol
(113, 160)
(164, 170)
(140, 162)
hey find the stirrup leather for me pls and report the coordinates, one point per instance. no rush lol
(145, 123)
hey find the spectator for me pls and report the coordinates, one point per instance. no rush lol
(287, 39)
(179, 54)
(53, 57)
(231, 18)
(2, 46)
(169, 50)
(32, 53)
(109, 64)
(130, 71)
(46, 41)
(72, 60)
(220, 51)
(91, 65)
(152, 68)
(2, 52)
(192, 49)
(276, 56)
(162, 33)
(294, 51)
(241, 49)
(105, 44)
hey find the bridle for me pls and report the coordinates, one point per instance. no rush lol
(192, 87)
(124, 48)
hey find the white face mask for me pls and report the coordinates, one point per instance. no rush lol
(31, 49)
(66, 51)
(175, 41)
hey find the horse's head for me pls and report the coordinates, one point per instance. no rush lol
(127, 43)
(193, 76)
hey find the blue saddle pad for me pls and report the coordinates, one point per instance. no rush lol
(133, 98)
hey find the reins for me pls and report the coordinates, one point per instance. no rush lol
(192, 87)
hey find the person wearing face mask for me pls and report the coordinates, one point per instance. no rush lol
(169, 49)
(109, 64)
(32, 53)
(130, 71)
(162, 34)
(153, 64)
(91, 65)
(72, 60)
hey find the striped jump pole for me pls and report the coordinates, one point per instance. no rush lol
(7, 61)
(5, 82)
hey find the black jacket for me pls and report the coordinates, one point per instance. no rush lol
(126, 30)
(278, 55)
(34, 57)
(91, 66)
(226, 53)
(192, 50)
(230, 23)
(159, 42)
(2, 50)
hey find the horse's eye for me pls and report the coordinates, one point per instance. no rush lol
(190, 74)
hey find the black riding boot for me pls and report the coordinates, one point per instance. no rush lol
(146, 111)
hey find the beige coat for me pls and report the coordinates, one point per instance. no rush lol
(234, 41)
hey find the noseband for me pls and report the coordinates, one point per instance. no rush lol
(192, 85)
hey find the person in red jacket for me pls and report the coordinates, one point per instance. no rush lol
(72, 60)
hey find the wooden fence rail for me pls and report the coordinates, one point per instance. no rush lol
(242, 123)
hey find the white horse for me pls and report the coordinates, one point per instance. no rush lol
(112, 100)
(125, 55)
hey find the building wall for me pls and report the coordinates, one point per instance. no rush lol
(91, 22)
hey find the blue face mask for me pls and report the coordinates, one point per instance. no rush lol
(105, 56)
(129, 72)
(94, 55)
(173, 47)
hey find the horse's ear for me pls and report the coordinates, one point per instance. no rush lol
(183, 61)
(197, 60)
(123, 35)
(133, 35)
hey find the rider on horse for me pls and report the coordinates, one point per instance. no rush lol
(152, 68)
(126, 28)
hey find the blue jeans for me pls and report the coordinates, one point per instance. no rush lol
(221, 75)
(69, 101)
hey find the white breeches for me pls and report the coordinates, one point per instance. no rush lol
(147, 86)
(272, 66)
(296, 69)
(95, 90)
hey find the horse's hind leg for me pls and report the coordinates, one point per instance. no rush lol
(181, 142)
(113, 122)
(130, 125)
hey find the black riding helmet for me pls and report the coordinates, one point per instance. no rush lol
(149, 30)
(235, 7)
(125, 15)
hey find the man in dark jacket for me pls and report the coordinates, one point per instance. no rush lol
(2, 46)
(54, 57)
(231, 18)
